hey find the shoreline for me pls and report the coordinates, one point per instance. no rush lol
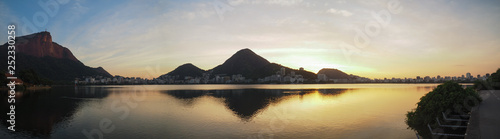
(27, 88)
(38, 87)
(253, 84)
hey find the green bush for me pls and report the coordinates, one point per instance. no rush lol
(492, 83)
(447, 97)
(482, 85)
(494, 80)
(30, 77)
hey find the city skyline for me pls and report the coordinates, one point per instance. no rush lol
(285, 79)
(430, 38)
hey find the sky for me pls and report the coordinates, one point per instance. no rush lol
(369, 38)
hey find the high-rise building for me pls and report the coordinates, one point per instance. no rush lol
(469, 76)
(301, 69)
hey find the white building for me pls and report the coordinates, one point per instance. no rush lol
(322, 77)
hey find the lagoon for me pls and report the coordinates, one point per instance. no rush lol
(216, 111)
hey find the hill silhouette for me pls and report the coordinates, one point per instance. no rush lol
(272, 68)
(243, 62)
(184, 70)
(48, 59)
(333, 73)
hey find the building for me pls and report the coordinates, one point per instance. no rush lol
(322, 77)
(427, 78)
(282, 71)
(469, 76)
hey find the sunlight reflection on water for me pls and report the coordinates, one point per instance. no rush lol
(221, 111)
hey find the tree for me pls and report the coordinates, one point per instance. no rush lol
(447, 97)
(30, 77)
(494, 79)
(492, 83)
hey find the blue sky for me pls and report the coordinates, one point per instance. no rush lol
(129, 38)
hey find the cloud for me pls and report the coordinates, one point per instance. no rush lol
(77, 10)
(339, 12)
(236, 2)
(270, 2)
(136, 34)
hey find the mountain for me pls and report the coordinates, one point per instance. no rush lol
(48, 59)
(272, 68)
(102, 71)
(186, 70)
(251, 66)
(243, 62)
(333, 73)
(40, 45)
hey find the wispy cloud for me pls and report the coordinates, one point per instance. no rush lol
(339, 12)
(77, 10)
(271, 2)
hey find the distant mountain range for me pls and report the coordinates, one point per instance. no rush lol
(53, 61)
(48, 59)
(252, 66)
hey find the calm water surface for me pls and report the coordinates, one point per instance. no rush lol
(216, 111)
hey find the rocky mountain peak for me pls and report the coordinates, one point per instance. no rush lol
(40, 45)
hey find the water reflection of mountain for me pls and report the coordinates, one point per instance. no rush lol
(39, 112)
(246, 103)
